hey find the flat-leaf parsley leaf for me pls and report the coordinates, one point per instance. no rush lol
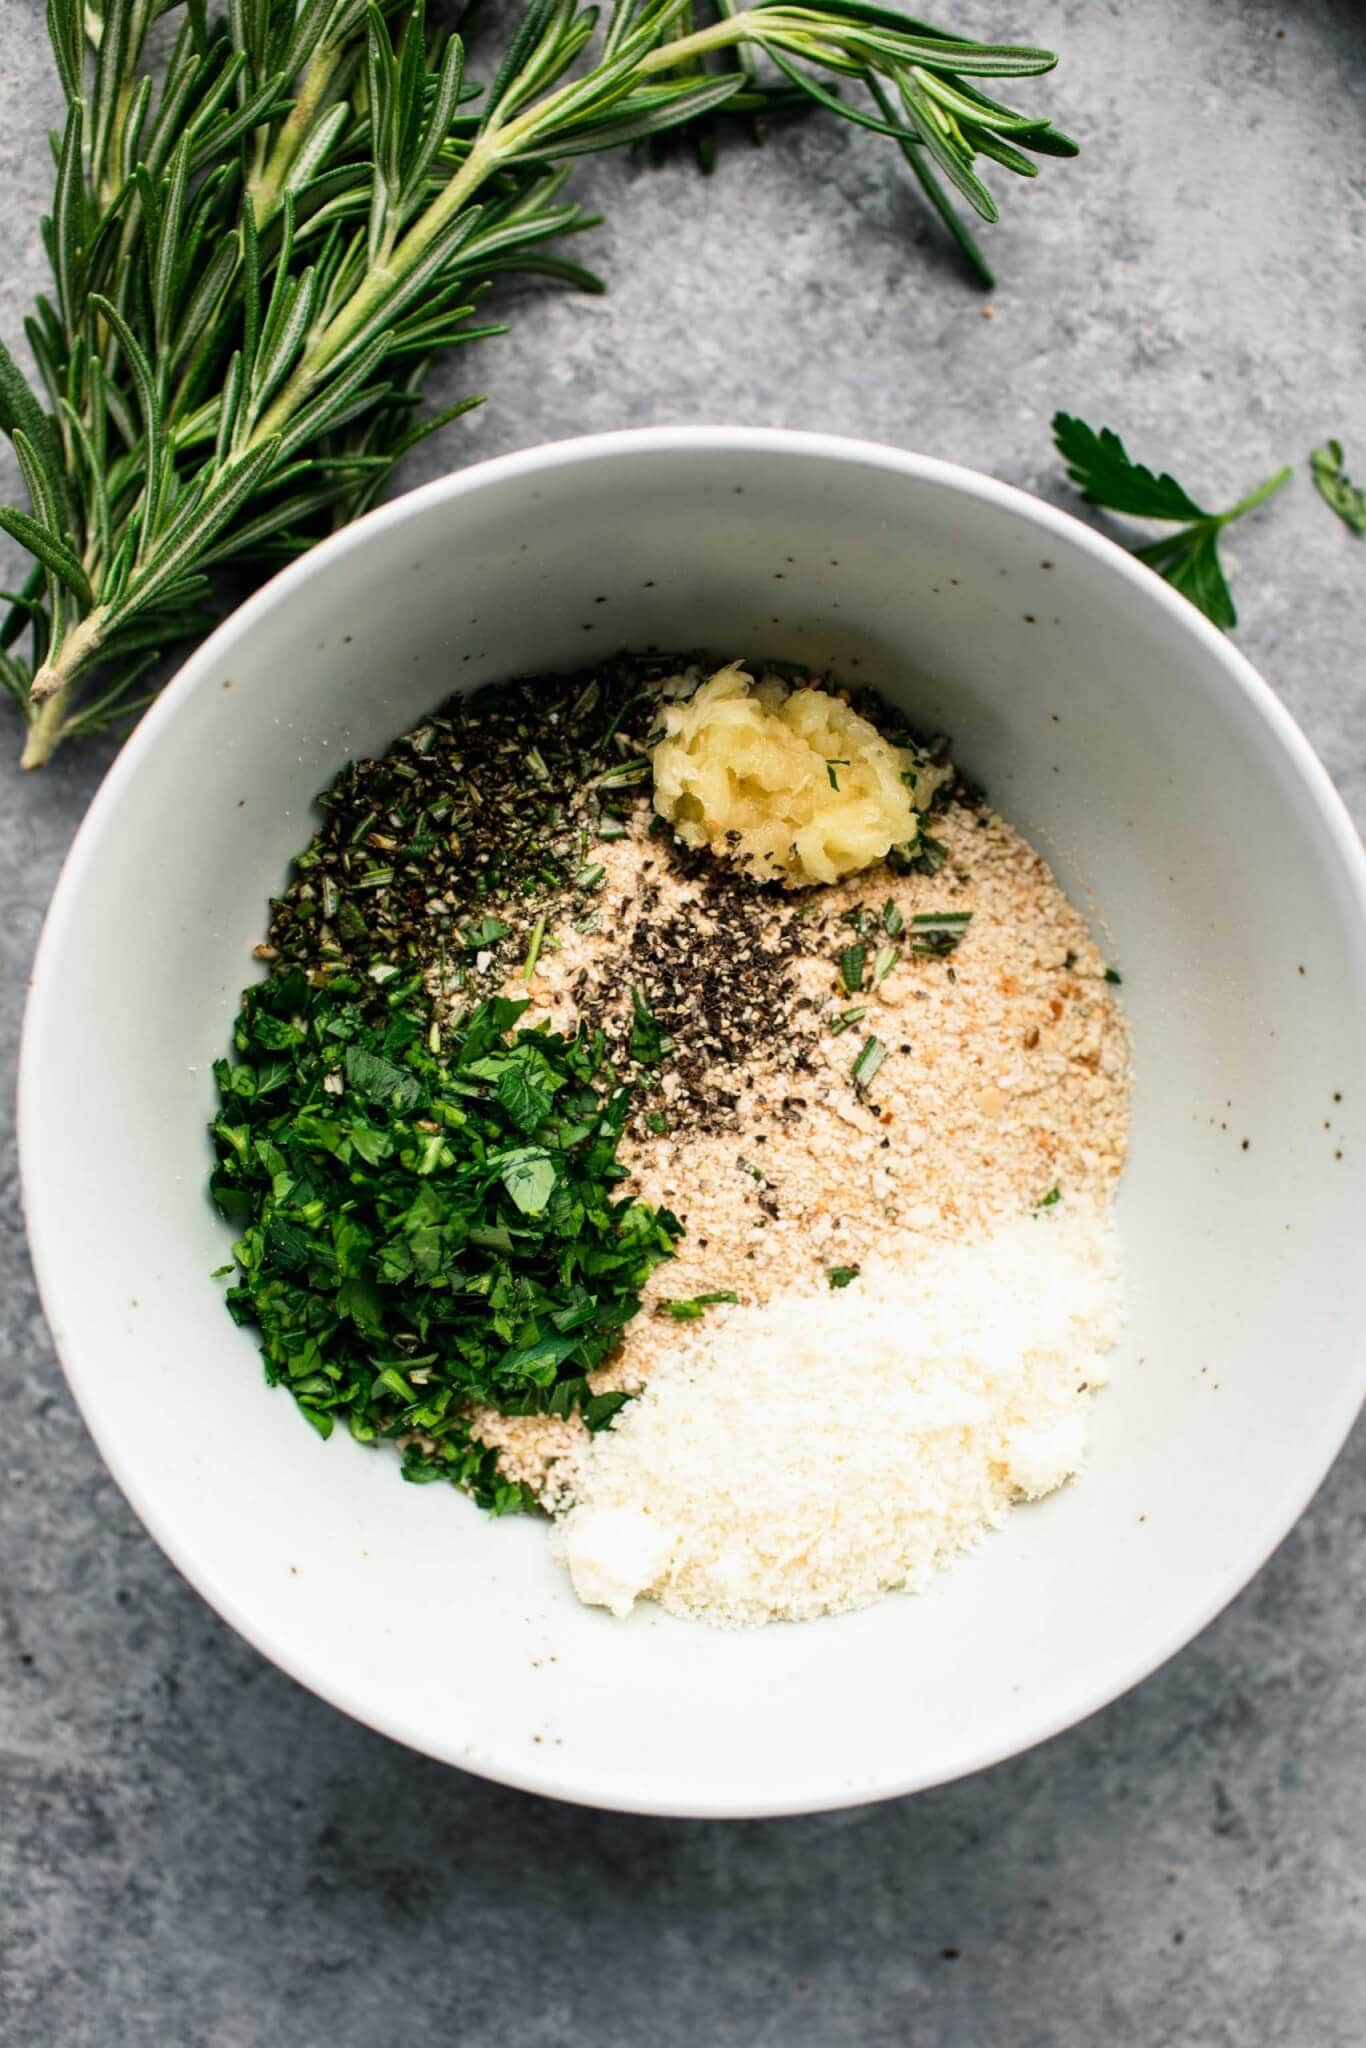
(1104, 472)
(1336, 488)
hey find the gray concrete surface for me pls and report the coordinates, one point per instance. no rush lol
(193, 1852)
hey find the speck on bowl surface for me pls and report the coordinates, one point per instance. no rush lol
(1113, 726)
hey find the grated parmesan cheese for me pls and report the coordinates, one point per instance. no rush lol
(805, 1456)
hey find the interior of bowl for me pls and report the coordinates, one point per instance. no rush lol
(1113, 728)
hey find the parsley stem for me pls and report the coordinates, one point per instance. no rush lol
(1257, 497)
(533, 951)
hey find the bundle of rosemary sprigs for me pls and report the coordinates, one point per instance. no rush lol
(257, 255)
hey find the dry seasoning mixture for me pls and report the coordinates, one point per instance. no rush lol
(923, 1051)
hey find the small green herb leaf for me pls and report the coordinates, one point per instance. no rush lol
(486, 932)
(518, 1094)
(1336, 488)
(377, 1079)
(690, 1310)
(529, 1177)
(840, 1276)
(1189, 561)
(1103, 470)
(649, 1045)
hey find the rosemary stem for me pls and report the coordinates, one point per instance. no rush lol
(265, 186)
(482, 159)
(45, 733)
(734, 28)
(487, 152)
(59, 671)
(110, 181)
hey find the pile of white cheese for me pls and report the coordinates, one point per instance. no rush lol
(808, 1454)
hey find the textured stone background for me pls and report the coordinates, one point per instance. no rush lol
(193, 1852)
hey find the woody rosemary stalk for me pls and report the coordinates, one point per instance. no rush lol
(255, 263)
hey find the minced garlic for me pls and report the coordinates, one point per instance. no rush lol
(790, 783)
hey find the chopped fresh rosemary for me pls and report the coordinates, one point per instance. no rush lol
(689, 1311)
(887, 959)
(846, 1019)
(851, 967)
(938, 933)
(893, 923)
(622, 774)
(870, 1058)
(929, 855)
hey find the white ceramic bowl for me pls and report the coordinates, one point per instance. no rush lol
(1116, 728)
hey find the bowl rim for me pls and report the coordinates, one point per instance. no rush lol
(1342, 842)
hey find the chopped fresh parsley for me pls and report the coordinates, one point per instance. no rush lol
(419, 1232)
(840, 1276)
(1336, 488)
(1104, 471)
(887, 959)
(1113, 974)
(487, 932)
(1050, 1200)
(649, 1045)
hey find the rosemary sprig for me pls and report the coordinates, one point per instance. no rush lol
(255, 262)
